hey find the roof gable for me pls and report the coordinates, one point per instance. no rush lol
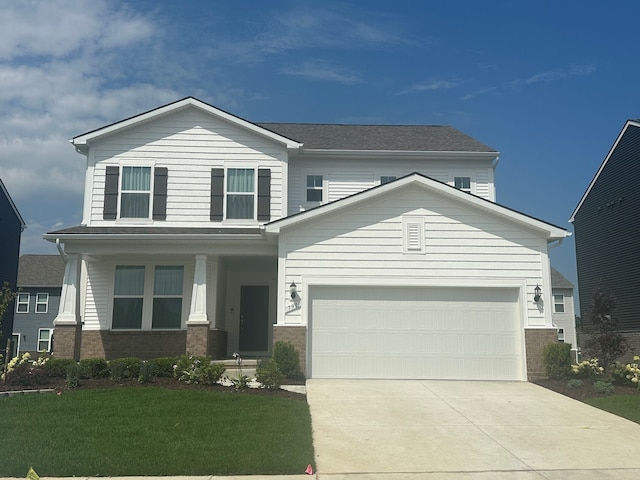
(630, 124)
(558, 280)
(549, 231)
(82, 141)
(4, 190)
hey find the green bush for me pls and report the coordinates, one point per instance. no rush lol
(164, 366)
(197, 370)
(147, 372)
(57, 367)
(575, 383)
(94, 368)
(269, 375)
(74, 372)
(210, 373)
(557, 359)
(287, 359)
(123, 368)
(605, 388)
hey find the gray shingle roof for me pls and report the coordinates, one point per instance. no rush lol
(40, 271)
(415, 138)
(558, 280)
(83, 230)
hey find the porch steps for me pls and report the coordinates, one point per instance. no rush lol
(233, 370)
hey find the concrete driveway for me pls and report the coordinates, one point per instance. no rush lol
(445, 430)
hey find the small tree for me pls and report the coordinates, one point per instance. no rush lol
(6, 295)
(605, 342)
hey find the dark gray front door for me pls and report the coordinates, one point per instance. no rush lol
(254, 318)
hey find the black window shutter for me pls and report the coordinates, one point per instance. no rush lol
(264, 194)
(217, 194)
(110, 209)
(160, 193)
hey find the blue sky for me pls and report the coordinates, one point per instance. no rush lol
(548, 84)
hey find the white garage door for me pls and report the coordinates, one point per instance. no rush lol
(418, 333)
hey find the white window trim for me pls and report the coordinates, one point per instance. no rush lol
(323, 189)
(45, 303)
(564, 304)
(413, 241)
(18, 302)
(561, 335)
(48, 340)
(148, 218)
(16, 340)
(241, 166)
(472, 183)
(148, 296)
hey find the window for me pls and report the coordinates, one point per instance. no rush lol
(15, 344)
(147, 297)
(44, 339)
(314, 188)
(128, 295)
(561, 335)
(462, 183)
(240, 193)
(167, 297)
(42, 302)
(558, 303)
(135, 192)
(386, 179)
(22, 303)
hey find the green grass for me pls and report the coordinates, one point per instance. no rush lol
(153, 431)
(627, 406)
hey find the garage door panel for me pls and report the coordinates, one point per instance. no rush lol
(374, 332)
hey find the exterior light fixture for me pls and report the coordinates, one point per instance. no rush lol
(538, 293)
(293, 288)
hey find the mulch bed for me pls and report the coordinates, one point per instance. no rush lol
(583, 392)
(163, 382)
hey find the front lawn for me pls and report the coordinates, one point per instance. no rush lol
(153, 431)
(627, 406)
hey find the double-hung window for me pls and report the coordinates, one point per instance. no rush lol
(22, 303)
(42, 302)
(167, 297)
(314, 188)
(240, 193)
(44, 339)
(462, 183)
(135, 193)
(386, 179)
(558, 303)
(15, 344)
(128, 296)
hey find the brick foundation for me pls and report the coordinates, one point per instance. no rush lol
(535, 340)
(145, 344)
(297, 336)
(198, 340)
(633, 339)
(66, 342)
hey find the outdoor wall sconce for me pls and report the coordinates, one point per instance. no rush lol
(538, 293)
(293, 288)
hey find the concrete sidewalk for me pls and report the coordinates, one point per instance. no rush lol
(447, 430)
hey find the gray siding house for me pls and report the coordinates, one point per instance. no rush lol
(40, 284)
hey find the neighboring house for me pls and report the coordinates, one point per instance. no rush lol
(564, 316)
(607, 225)
(38, 301)
(11, 227)
(378, 251)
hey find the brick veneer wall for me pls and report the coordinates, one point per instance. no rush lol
(297, 336)
(633, 339)
(198, 340)
(535, 340)
(145, 345)
(66, 341)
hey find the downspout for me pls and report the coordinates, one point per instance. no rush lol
(61, 250)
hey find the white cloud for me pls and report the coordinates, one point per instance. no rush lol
(321, 70)
(430, 86)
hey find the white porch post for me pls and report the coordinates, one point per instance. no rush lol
(67, 313)
(198, 311)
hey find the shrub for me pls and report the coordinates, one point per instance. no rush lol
(287, 359)
(94, 368)
(604, 341)
(57, 367)
(123, 368)
(74, 372)
(575, 383)
(557, 359)
(587, 369)
(269, 375)
(190, 369)
(604, 388)
(147, 372)
(628, 373)
(21, 371)
(210, 373)
(164, 366)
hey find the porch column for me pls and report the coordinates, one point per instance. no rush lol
(198, 322)
(66, 324)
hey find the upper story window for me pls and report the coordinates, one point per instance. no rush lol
(42, 302)
(462, 183)
(387, 179)
(135, 192)
(314, 188)
(22, 303)
(558, 303)
(240, 193)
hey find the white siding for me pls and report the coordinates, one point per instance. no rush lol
(189, 143)
(97, 294)
(461, 245)
(566, 320)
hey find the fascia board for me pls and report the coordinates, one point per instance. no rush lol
(604, 164)
(84, 139)
(447, 155)
(157, 237)
(551, 232)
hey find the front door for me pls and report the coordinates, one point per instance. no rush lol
(254, 318)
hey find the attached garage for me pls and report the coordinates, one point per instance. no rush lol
(415, 332)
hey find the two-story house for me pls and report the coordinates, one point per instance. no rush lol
(564, 316)
(11, 227)
(37, 303)
(379, 251)
(606, 231)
